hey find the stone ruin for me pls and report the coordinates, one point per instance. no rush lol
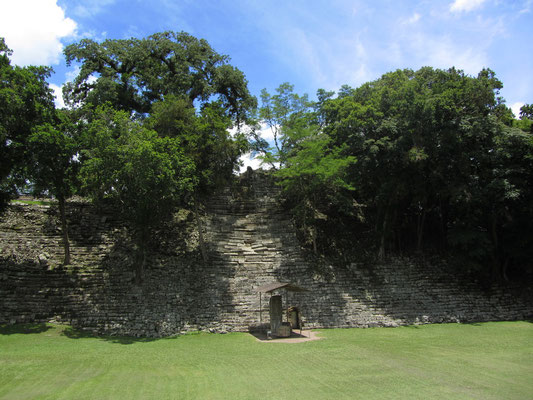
(251, 241)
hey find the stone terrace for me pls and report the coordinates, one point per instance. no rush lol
(251, 241)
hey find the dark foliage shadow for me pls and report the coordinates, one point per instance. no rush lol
(23, 329)
(86, 223)
(74, 333)
(295, 334)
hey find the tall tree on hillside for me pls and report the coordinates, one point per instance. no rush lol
(280, 112)
(314, 176)
(438, 164)
(145, 176)
(53, 166)
(206, 140)
(310, 169)
(181, 88)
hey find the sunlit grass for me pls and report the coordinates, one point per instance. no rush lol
(34, 202)
(451, 361)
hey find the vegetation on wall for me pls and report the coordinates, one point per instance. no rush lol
(416, 162)
(26, 101)
(421, 162)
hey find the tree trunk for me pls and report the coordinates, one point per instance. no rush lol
(140, 262)
(504, 269)
(200, 228)
(64, 229)
(443, 213)
(381, 252)
(496, 264)
(420, 230)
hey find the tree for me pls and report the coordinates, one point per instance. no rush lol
(53, 167)
(526, 118)
(314, 173)
(25, 101)
(526, 111)
(280, 112)
(145, 176)
(181, 88)
(206, 140)
(439, 166)
(133, 73)
(310, 169)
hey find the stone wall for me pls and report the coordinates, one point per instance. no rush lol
(250, 242)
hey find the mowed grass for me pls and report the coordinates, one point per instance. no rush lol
(449, 361)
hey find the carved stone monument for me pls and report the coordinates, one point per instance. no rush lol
(276, 313)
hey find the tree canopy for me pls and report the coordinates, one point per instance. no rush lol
(134, 73)
(416, 162)
(439, 168)
(145, 176)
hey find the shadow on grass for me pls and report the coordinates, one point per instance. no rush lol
(480, 323)
(23, 329)
(74, 333)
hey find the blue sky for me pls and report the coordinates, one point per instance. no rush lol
(311, 44)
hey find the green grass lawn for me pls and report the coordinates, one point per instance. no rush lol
(450, 361)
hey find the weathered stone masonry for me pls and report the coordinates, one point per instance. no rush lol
(250, 241)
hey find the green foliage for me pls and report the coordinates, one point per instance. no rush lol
(53, 166)
(314, 176)
(316, 162)
(171, 144)
(25, 101)
(526, 118)
(526, 111)
(285, 113)
(133, 73)
(440, 167)
(144, 175)
(205, 138)
(312, 169)
(52, 151)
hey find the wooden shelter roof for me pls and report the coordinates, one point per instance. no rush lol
(270, 287)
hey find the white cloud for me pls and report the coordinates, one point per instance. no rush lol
(249, 160)
(266, 133)
(465, 5)
(34, 29)
(58, 93)
(516, 108)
